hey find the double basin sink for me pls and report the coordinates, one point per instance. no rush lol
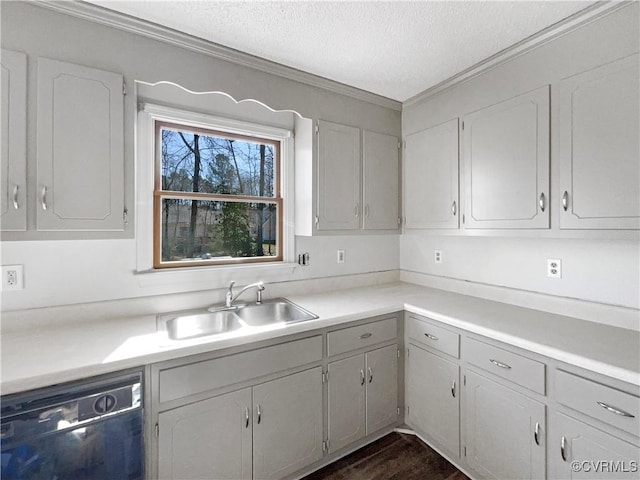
(215, 321)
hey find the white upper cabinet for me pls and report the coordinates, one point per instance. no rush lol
(599, 147)
(431, 177)
(506, 163)
(380, 193)
(80, 148)
(13, 123)
(346, 179)
(339, 205)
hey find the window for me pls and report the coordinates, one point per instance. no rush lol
(217, 197)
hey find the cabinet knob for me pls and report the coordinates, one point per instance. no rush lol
(370, 374)
(542, 202)
(361, 377)
(16, 206)
(453, 389)
(615, 410)
(563, 445)
(259, 412)
(246, 417)
(565, 200)
(454, 208)
(536, 432)
(500, 364)
(43, 198)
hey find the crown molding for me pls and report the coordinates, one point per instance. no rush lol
(569, 24)
(160, 33)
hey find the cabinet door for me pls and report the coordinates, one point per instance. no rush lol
(13, 172)
(431, 177)
(380, 194)
(506, 163)
(433, 398)
(600, 147)
(504, 431)
(346, 405)
(287, 424)
(338, 177)
(80, 148)
(207, 439)
(382, 387)
(587, 452)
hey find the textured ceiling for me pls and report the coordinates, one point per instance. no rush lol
(395, 49)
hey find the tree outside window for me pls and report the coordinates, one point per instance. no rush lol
(217, 197)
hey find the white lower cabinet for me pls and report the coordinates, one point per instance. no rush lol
(362, 395)
(207, 439)
(287, 424)
(505, 431)
(433, 398)
(583, 451)
(266, 432)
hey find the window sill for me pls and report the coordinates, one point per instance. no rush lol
(211, 277)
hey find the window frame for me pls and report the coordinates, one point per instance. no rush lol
(147, 170)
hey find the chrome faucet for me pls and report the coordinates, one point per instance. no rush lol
(230, 297)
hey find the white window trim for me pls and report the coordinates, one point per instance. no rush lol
(145, 165)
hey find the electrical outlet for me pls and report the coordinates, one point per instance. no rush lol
(554, 268)
(12, 278)
(437, 256)
(340, 256)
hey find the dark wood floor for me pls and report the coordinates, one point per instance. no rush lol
(396, 456)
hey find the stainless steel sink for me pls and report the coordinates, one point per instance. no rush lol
(228, 319)
(277, 310)
(198, 325)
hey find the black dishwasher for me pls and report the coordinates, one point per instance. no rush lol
(77, 431)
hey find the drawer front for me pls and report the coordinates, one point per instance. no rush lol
(179, 382)
(518, 369)
(616, 408)
(434, 336)
(352, 338)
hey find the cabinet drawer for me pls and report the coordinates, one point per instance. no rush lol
(515, 368)
(361, 336)
(618, 409)
(179, 382)
(433, 336)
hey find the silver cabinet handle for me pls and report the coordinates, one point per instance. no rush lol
(361, 377)
(370, 372)
(563, 451)
(259, 413)
(365, 335)
(542, 202)
(43, 198)
(357, 210)
(432, 337)
(617, 411)
(453, 389)
(454, 209)
(500, 364)
(15, 197)
(536, 431)
(565, 200)
(246, 417)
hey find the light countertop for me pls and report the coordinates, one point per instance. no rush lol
(54, 354)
